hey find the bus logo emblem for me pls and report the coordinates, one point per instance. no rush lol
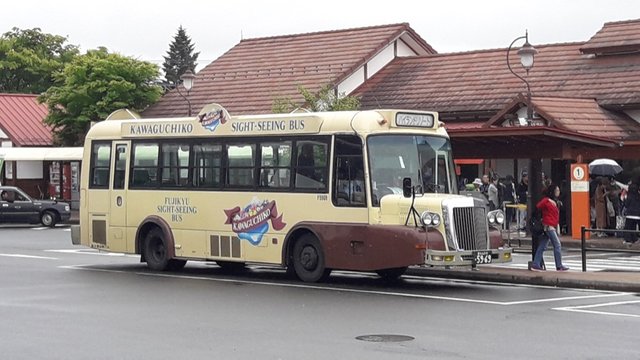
(211, 119)
(252, 222)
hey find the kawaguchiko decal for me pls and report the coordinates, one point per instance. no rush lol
(252, 221)
(211, 119)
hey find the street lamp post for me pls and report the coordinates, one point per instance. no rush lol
(188, 78)
(526, 53)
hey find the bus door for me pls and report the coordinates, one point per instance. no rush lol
(116, 233)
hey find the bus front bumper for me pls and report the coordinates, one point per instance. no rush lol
(468, 257)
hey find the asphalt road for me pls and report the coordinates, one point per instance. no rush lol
(58, 301)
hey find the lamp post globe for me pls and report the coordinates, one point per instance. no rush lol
(188, 79)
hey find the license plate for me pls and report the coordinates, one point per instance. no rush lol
(482, 257)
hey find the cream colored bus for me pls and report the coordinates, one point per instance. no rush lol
(358, 190)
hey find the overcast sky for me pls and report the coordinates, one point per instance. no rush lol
(144, 29)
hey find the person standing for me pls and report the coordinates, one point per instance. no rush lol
(632, 213)
(601, 206)
(492, 194)
(522, 192)
(508, 197)
(549, 206)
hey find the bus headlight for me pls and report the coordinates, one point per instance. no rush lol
(495, 217)
(430, 219)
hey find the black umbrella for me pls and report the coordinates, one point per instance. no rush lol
(604, 167)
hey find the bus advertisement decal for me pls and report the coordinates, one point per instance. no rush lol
(211, 119)
(252, 221)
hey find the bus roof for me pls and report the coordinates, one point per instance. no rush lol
(214, 120)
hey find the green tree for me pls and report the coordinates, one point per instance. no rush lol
(94, 85)
(324, 99)
(180, 57)
(29, 58)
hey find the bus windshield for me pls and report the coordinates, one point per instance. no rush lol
(427, 160)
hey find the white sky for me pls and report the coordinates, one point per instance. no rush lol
(144, 29)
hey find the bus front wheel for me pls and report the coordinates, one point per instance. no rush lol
(155, 250)
(308, 259)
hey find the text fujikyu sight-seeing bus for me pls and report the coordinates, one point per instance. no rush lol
(354, 190)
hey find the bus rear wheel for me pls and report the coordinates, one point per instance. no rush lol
(155, 251)
(308, 259)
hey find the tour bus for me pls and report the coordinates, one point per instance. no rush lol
(370, 190)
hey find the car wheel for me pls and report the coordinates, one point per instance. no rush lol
(48, 218)
(155, 251)
(308, 259)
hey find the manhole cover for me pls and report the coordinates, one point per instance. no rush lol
(385, 338)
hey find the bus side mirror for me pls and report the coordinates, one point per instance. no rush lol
(406, 187)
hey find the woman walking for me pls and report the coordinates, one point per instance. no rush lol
(549, 206)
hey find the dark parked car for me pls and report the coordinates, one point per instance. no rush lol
(18, 207)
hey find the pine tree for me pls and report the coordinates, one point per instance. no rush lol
(180, 57)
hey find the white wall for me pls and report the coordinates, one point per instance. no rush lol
(29, 170)
(380, 60)
(404, 50)
(352, 82)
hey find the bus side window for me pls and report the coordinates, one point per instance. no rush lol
(140, 177)
(100, 165)
(311, 165)
(348, 181)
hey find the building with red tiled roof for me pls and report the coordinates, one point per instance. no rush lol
(477, 84)
(27, 159)
(21, 121)
(585, 95)
(251, 75)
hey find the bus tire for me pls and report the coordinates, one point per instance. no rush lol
(391, 274)
(155, 250)
(48, 218)
(176, 264)
(231, 266)
(308, 259)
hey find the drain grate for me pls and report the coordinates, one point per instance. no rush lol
(385, 338)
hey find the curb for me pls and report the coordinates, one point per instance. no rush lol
(571, 279)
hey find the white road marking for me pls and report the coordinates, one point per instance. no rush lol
(583, 309)
(29, 256)
(91, 252)
(358, 291)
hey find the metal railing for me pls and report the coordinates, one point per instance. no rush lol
(584, 248)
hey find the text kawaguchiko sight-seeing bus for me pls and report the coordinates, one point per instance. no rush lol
(353, 190)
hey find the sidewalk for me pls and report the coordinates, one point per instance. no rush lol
(574, 278)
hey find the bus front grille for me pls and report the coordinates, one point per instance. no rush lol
(470, 228)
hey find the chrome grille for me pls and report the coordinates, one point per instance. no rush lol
(470, 228)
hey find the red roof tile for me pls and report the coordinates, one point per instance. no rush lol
(253, 73)
(583, 116)
(614, 37)
(21, 118)
(478, 83)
